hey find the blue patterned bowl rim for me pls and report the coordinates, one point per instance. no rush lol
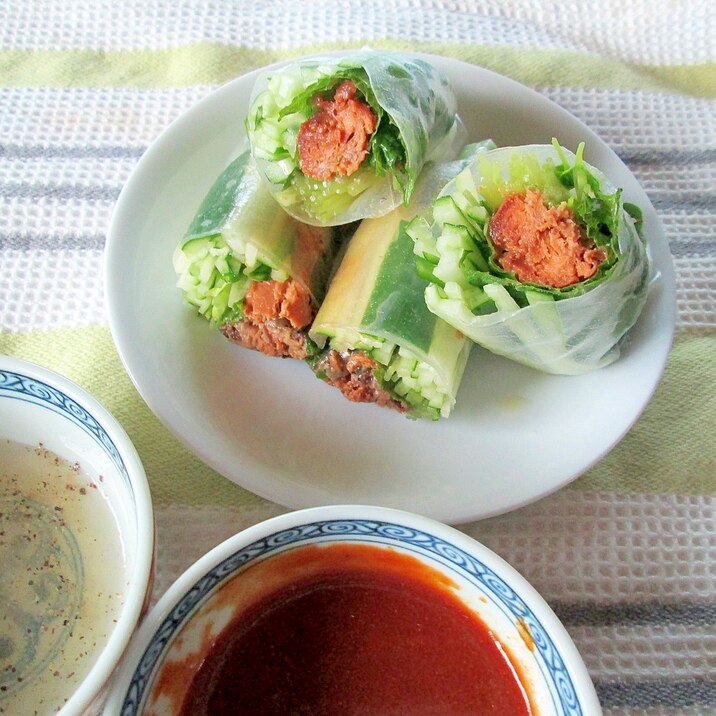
(18, 386)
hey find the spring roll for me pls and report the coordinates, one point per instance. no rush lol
(532, 253)
(252, 270)
(381, 344)
(343, 139)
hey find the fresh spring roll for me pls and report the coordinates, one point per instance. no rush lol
(532, 254)
(381, 344)
(252, 270)
(343, 139)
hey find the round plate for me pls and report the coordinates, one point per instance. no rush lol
(271, 426)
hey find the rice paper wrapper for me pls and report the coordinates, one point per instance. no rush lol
(240, 209)
(406, 90)
(568, 336)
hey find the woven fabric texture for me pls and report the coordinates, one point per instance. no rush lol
(626, 554)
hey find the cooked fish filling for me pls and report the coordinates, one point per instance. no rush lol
(353, 373)
(335, 140)
(542, 244)
(266, 300)
(275, 316)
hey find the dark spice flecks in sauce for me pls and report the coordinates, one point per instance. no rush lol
(371, 631)
(63, 577)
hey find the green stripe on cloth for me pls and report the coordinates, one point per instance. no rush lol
(671, 447)
(664, 452)
(207, 63)
(88, 357)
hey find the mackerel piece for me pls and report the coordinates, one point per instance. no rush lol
(568, 330)
(381, 343)
(416, 122)
(241, 236)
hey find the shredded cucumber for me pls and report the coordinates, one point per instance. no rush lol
(326, 198)
(214, 279)
(446, 211)
(425, 247)
(408, 379)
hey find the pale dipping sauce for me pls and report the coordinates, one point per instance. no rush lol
(63, 577)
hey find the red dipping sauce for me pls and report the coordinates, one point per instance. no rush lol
(364, 630)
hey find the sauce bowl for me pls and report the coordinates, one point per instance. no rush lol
(222, 593)
(76, 543)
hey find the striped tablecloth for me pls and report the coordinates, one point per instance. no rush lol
(626, 555)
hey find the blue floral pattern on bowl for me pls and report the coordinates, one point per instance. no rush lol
(23, 387)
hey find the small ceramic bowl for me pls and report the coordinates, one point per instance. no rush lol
(188, 620)
(78, 529)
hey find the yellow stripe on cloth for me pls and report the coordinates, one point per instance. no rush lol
(209, 63)
(671, 447)
(667, 451)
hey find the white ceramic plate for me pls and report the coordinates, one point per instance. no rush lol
(270, 426)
